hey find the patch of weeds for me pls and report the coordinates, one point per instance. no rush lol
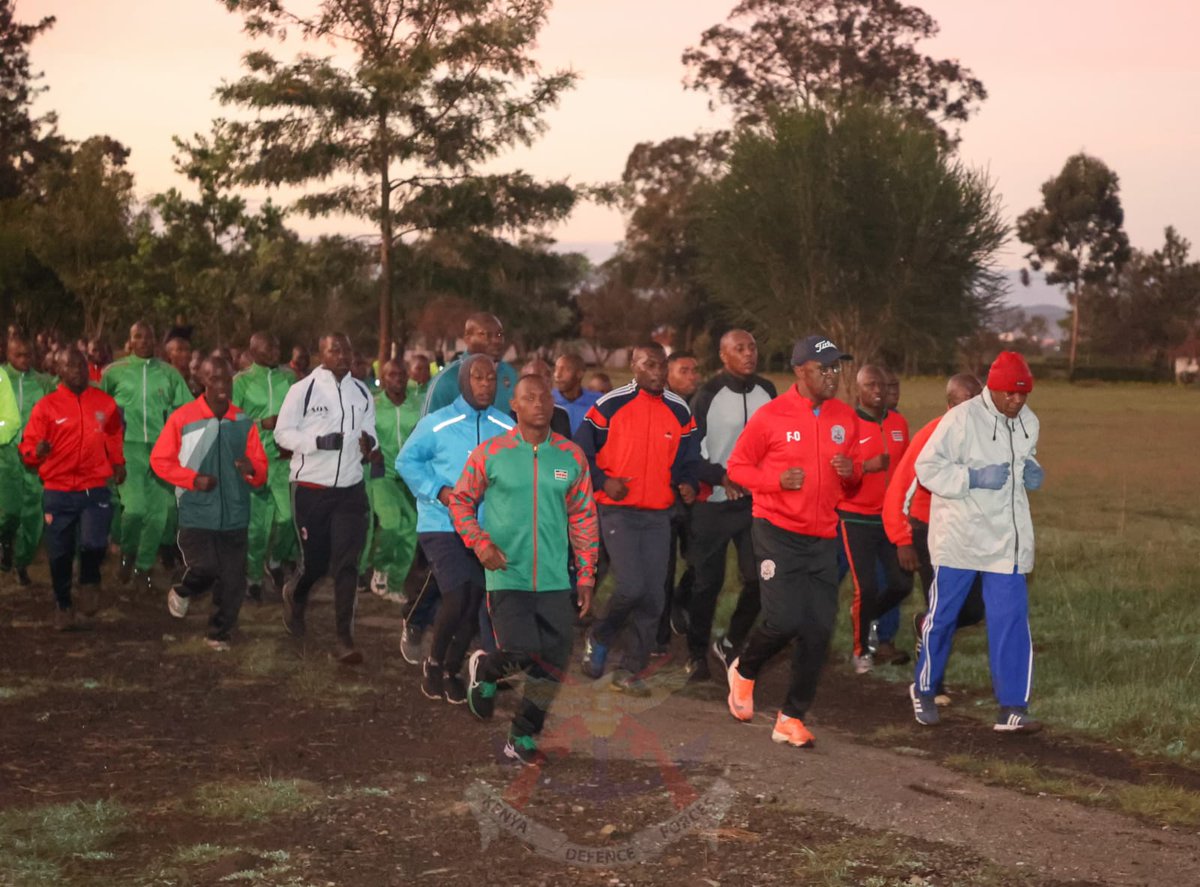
(280, 866)
(259, 659)
(201, 853)
(366, 791)
(254, 801)
(888, 861)
(1157, 802)
(192, 645)
(36, 843)
(317, 682)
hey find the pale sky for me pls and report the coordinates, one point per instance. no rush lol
(1114, 78)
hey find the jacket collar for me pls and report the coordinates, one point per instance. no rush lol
(460, 403)
(741, 386)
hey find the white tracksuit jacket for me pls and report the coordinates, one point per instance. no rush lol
(318, 405)
(989, 530)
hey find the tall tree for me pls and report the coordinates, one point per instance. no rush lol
(398, 125)
(25, 140)
(659, 256)
(1077, 235)
(780, 54)
(860, 225)
(81, 224)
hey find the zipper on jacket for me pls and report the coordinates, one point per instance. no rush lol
(536, 478)
(145, 427)
(337, 474)
(1012, 450)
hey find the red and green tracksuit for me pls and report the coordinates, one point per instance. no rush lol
(147, 391)
(392, 534)
(21, 513)
(271, 538)
(539, 502)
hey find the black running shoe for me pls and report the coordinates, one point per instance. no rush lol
(432, 678)
(454, 689)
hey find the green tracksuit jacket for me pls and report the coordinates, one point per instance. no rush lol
(147, 390)
(20, 488)
(392, 534)
(539, 498)
(271, 538)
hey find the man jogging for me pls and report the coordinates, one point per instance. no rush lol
(210, 451)
(906, 518)
(431, 463)
(259, 392)
(484, 334)
(722, 513)
(882, 440)
(20, 488)
(569, 392)
(147, 390)
(392, 535)
(979, 464)
(641, 448)
(74, 439)
(327, 422)
(798, 457)
(539, 500)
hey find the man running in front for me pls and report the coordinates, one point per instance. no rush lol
(798, 457)
(210, 451)
(979, 464)
(539, 499)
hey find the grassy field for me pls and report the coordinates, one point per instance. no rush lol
(1113, 597)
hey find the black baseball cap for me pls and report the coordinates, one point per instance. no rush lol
(818, 348)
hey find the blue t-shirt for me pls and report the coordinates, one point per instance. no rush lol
(577, 408)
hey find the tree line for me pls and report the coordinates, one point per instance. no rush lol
(837, 199)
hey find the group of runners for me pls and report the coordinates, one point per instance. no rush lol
(477, 500)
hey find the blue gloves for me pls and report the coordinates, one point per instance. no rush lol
(990, 477)
(1034, 475)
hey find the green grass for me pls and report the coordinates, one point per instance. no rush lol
(1112, 598)
(37, 843)
(254, 801)
(1159, 802)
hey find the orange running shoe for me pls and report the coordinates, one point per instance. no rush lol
(792, 731)
(741, 694)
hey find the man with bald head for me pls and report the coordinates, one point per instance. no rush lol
(483, 334)
(147, 390)
(906, 516)
(883, 438)
(642, 450)
(209, 450)
(327, 422)
(73, 439)
(259, 391)
(722, 513)
(560, 419)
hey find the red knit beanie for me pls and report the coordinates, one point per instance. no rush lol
(1010, 372)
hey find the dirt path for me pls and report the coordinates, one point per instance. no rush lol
(904, 793)
(279, 767)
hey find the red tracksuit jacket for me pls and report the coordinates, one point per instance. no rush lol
(889, 435)
(86, 436)
(905, 496)
(786, 433)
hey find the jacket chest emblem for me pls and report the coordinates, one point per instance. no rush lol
(838, 434)
(898, 436)
(792, 436)
(560, 474)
